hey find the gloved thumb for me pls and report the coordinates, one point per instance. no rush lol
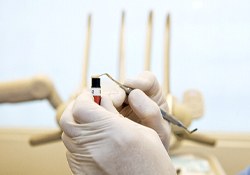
(85, 110)
(116, 94)
(107, 103)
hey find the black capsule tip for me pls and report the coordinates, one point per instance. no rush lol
(96, 82)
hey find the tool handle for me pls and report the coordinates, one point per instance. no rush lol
(45, 138)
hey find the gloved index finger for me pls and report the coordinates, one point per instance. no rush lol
(146, 82)
(107, 103)
(85, 110)
(145, 108)
(116, 94)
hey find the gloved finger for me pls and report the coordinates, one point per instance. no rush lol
(73, 164)
(146, 82)
(69, 143)
(149, 114)
(146, 109)
(107, 103)
(85, 110)
(116, 94)
(77, 144)
(67, 122)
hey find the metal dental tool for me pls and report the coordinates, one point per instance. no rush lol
(164, 114)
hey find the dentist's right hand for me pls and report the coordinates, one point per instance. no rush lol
(102, 141)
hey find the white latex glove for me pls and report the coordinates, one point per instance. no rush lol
(101, 141)
(140, 108)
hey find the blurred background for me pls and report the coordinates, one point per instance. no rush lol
(209, 51)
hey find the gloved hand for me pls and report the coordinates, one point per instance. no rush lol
(102, 141)
(140, 108)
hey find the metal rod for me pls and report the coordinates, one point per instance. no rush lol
(165, 115)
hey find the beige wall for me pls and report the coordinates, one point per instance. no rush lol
(18, 157)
